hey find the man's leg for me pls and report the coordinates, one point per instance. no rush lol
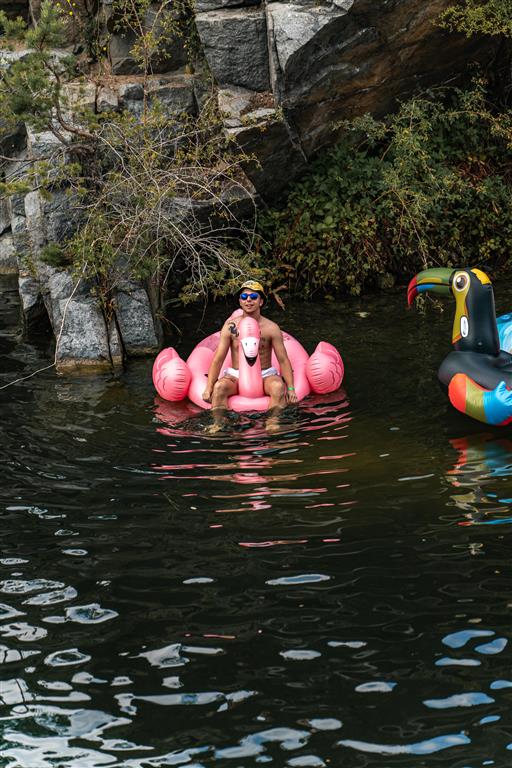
(273, 386)
(222, 390)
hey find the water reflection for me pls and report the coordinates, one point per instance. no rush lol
(307, 598)
(481, 476)
(264, 463)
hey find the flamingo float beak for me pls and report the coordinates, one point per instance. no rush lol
(436, 280)
(250, 347)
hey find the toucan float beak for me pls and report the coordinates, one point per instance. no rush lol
(436, 280)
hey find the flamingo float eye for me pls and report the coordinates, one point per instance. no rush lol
(460, 282)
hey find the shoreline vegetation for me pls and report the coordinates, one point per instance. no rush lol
(161, 196)
(430, 185)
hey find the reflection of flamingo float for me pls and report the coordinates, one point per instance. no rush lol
(175, 379)
(478, 373)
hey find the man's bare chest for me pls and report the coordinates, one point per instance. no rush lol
(265, 343)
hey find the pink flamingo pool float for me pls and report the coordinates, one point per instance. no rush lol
(175, 379)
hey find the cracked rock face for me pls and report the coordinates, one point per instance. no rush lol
(235, 45)
(332, 60)
(358, 57)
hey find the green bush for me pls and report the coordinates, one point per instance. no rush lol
(474, 17)
(55, 255)
(432, 185)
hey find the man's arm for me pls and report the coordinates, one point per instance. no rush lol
(284, 363)
(216, 363)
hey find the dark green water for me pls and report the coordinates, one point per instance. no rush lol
(337, 594)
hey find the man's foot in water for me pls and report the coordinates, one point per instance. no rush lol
(212, 429)
(273, 422)
(219, 421)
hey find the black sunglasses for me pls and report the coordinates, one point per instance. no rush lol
(253, 296)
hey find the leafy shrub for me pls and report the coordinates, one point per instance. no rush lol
(492, 17)
(432, 185)
(54, 255)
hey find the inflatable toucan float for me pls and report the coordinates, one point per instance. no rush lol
(478, 372)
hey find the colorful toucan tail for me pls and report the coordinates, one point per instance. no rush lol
(491, 406)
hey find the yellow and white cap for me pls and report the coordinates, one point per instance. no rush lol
(253, 285)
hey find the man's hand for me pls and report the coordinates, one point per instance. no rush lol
(291, 396)
(207, 395)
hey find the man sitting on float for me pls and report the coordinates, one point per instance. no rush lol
(252, 299)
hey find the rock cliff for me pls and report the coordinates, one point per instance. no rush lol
(286, 74)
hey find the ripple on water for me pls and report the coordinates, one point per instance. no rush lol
(303, 578)
(23, 632)
(300, 655)
(8, 612)
(473, 699)
(324, 723)
(447, 661)
(89, 614)
(376, 686)
(288, 739)
(67, 658)
(20, 587)
(459, 639)
(168, 656)
(427, 747)
(50, 598)
(496, 646)
(15, 655)
(199, 580)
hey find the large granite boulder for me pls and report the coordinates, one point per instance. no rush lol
(175, 93)
(235, 45)
(135, 320)
(8, 260)
(87, 340)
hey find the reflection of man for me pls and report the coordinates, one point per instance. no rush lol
(252, 298)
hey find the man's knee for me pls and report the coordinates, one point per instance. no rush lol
(222, 388)
(275, 388)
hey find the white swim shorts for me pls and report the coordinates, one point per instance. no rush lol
(235, 373)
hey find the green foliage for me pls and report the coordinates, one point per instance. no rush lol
(154, 196)
(161, 206)
(55, 255)
(472, 17)
(155, 26)
(430, 186)
(31, 88)
(12, 29)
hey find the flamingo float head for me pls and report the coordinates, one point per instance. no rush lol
(249, 331)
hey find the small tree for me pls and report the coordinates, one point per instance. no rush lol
(159, 195)
(31, 87)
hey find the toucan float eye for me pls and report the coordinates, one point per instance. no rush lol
(460, 281)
